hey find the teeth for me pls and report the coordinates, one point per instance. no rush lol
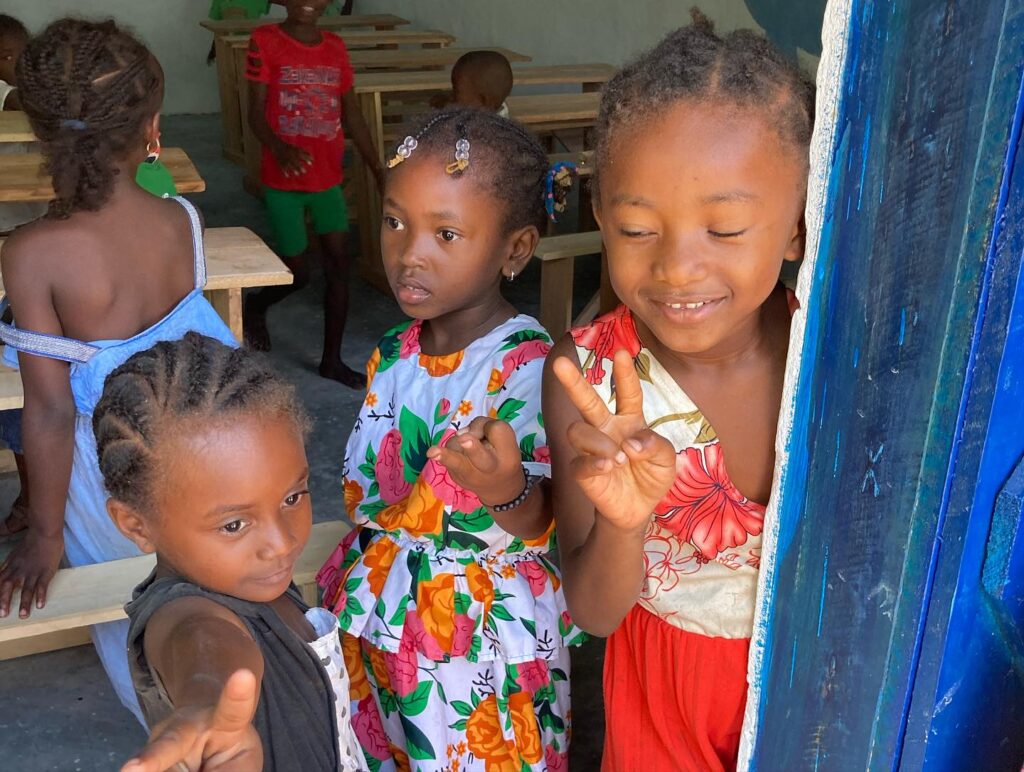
(690, 306)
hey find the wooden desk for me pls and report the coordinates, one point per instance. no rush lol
(22, 177)
(14, 127)
(589, 76)
(236, 258)
(382, 21)
(228, 74)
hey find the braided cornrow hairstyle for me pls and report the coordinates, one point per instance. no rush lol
(741, 68)
(504, 157)
(88, 87)
(161, 388)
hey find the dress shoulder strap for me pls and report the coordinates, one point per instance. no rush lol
(43, 345)
(198, 251)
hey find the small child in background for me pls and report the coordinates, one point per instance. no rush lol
(201, 448)
(455, 631)
(87, 292)
(480, 79)
(662, 414)
(13, 38)
(300, 93)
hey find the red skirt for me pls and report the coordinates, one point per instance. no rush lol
(673, 699)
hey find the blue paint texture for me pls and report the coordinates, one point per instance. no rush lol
(906, 656)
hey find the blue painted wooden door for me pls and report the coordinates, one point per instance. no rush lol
(895, 635)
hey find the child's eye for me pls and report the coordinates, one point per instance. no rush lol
(726, 235)
(235, 526)
(293, 499)
(633, 233)
(393, 223)
(447, 235)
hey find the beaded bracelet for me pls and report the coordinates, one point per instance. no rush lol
(531, 480)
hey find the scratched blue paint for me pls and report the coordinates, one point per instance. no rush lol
(824, 589)
(835, 463)
(903, 325)
(792, 666)
(864, 150)
(856, 357)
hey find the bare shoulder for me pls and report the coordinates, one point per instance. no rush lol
(191, 612)
(563, 347)
(34, 249)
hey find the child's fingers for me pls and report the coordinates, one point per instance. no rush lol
(163, 751)
(500, 435)
(237, 703)
(649, 446)
(482, 458)
(585, 467)
(629, 397)
(588, 441)
(477, 427)
(582, 394)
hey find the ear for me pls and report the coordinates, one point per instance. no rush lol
(151, 128)
(797, 241)
(522, 245)
(132, 524)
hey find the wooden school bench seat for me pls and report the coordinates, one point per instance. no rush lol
(90, 595)
(14, 127)
(236, 258)
(380, 21)
(23, 178)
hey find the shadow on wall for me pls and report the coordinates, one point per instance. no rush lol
(790, 24)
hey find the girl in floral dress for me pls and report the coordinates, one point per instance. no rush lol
(455, 625)
(662, 414)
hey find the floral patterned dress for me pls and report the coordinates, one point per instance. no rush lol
(675, 670)
(455, 631)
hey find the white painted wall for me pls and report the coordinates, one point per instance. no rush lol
(551, 31)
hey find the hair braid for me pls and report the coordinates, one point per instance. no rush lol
(160, 388)
(87, 88)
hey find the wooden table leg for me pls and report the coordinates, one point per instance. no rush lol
(228, 305)
(251, 146)
(556, 295)
(230, 114)
(369, 203)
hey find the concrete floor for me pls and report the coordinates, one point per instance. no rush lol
(57, 711)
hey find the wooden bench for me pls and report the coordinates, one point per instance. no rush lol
(380, 21)
(236, 258)
(228, 73)
(558, 256)
(14, 127)
(91, 595)
(23, 178)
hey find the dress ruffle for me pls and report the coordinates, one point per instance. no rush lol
(401, 594)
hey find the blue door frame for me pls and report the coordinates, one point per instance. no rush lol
(892, 637)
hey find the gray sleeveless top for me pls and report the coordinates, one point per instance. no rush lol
(295, 715)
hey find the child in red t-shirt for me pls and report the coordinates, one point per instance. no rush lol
(300, 87)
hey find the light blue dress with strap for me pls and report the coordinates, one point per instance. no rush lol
(90, 536)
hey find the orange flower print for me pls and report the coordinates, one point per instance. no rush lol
(465, 407)
(378, 558)
(480, 585)
(439, 366)
(524, 725)
(435, 603)
(379, 666)
(371, 367)
(371, 399)
(508, 571)
(353, 496)
(495, 382)
(352, 650)
(486, 741)
(418, 514)
(401, 759)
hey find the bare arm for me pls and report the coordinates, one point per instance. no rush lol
(355, 125)
(608, 472)
(48, 427)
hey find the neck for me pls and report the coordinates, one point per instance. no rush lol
(454, 331)
(300, 30)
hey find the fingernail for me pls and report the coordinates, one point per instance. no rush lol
(466, 443)
(620, 458)
(603, 464)
(635, 445)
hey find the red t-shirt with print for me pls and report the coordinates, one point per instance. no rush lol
(305, 84)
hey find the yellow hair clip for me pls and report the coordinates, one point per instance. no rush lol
(461, 162)
(404, 151)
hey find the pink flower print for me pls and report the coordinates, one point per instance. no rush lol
(532, 675)
(555, 761)
(521, 354)
(389, 469)
(704, 508)
(666, 561)
(410, 340)
(402, 668)
(463, 637)
(541, 454)
(444, 487)
(421, 640)
(534, 573)
(369, 729)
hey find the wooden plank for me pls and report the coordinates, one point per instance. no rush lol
(14, 127)
(368, 38)
(88, 595)
(12, 395)
(556, 279)
(381, 21)
(399, 58)
(22, 177)
(40, 644)
(228, 305)
(523, 75)
(554, 248)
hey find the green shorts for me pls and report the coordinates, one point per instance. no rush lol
(287, 212)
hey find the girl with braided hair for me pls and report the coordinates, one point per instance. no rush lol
(109, 271)
(455, 631)
(662, 414)
(201, 448)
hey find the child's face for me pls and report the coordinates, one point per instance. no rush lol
(232, 510)
(11, 47)
(698, 208)
(441, 239)
(306, 11)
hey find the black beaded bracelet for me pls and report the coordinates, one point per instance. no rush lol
(531, 480)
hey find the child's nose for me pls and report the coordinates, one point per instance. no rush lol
(682, 261)
(280, 540)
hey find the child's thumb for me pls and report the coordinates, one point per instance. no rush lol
(237, 703)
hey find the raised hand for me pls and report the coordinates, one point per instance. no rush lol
(221, 738)
(623, 467)
(484, 458)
